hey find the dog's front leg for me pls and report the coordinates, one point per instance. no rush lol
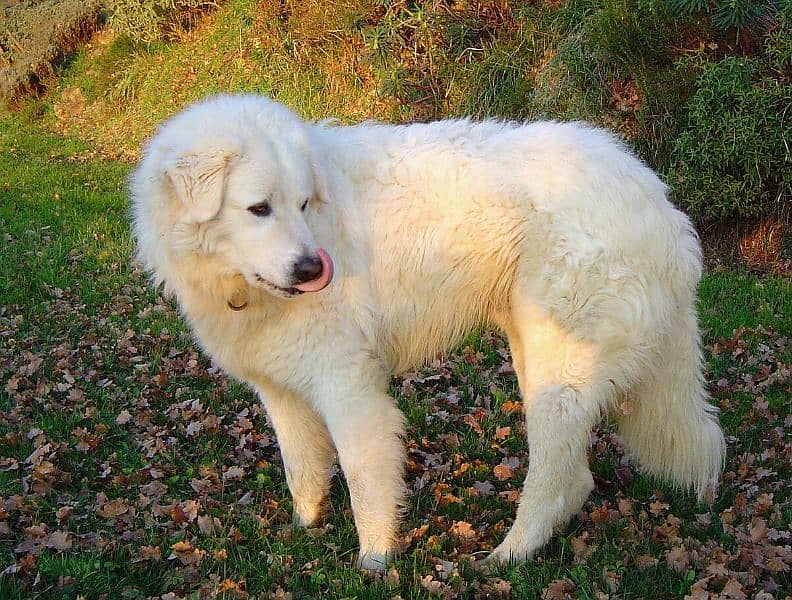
(306, 449)
(367, 429)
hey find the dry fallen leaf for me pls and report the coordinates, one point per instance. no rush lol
(233, 473)
(187, 553)
(503, 587)
(657, 507)
(484, 488)
(123, 417)
(503, 472)
(464, 530)
(229, 586)
(220, 555)
(558, 589)
(733, 590)
(472, 422)
(432, 585)
(603, 514)
(152, 553)
(625, 506)
(511, 406)
(678, 559)
(63, 513)
(581, 548)
(208, 525)
(59, 540)
(113, 508)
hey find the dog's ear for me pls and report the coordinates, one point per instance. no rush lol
(321, 176)
(327, 182)
(198, 180)
(324, 177)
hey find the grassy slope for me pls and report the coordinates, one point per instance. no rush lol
(242, 47)
(355, 60)
(71, 299)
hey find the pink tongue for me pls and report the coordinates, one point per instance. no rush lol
(320, 282)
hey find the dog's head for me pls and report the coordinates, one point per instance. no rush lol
(232, 181)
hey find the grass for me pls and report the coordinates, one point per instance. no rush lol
(76, 226)
(246, 46)
(86, 342)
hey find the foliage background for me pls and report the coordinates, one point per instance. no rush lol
(700, 89)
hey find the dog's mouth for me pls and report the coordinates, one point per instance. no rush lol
(289, 292)
(317, 284)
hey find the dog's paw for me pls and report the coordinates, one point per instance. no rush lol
(374, 563)
(308, 515)
(502, 556)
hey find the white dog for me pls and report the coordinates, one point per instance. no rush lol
(314, 261)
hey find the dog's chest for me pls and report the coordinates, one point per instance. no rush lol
(283, 349)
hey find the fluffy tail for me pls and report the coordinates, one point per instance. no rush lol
(672, 429)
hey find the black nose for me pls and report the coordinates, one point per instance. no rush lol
(307, 268)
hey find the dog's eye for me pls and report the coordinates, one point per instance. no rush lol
(262, 209)
(304, 206)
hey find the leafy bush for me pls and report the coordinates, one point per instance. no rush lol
(149, 20)
(732, 157)
(36, 37)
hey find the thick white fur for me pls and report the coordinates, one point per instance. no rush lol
(553, 232)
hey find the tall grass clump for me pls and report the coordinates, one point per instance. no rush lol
(742, 16)
(430, 59)
(616, 66)
(146, 21)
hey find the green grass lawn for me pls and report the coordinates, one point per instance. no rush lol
(131, 468)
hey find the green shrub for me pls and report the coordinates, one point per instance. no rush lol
(732, 157)
(149, 20)
(778, 47)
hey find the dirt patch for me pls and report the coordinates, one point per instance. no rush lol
(763, 246)
(71, 106)
(37, 38)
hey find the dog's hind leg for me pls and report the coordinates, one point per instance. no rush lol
(306, 449)
(563, 394)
